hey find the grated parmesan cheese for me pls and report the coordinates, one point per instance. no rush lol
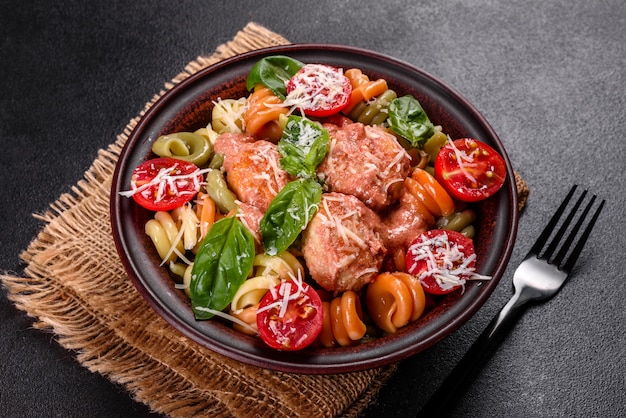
(227, 317)
(316, 86)
(445, 262)
(462, 158)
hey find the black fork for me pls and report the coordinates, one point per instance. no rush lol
(540, 276)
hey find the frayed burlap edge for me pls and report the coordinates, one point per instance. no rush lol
(76, 287)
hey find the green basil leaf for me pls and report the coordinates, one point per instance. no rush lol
(273, 72)
(303, 146)
(223, 263)
(408, 119)
(289, 213)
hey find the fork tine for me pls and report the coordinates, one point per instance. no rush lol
(545, 234)
(569, 264)
(570, 238)
(557, 237)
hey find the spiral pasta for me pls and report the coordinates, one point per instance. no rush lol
(181, 230)
(251, 292)
(187, 222)
(208, 132)
(187, 146)
(247, 318)
(394, 300)
(227, 115)
(461, 221)
(160, 240)
(267, 272)
(217, 189)
(434, 198)
(363, 89)
(343, 324)
(187, 279)
(434, 144)
(375, 111)
(263, 109)
(205, 211)
(283, 266)
(430, 193)
(165, 237)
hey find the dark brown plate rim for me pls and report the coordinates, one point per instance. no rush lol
(441, 102)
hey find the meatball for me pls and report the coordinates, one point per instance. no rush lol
(404, 222)
(252, 169)
(251, 217)
(366, 162)
(230, 144)
(342, 246)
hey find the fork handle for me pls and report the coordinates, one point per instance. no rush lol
(463, 373)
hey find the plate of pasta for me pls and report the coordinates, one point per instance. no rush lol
(314, 208)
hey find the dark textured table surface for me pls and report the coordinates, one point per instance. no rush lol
(549, 75)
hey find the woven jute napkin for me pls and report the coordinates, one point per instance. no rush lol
(76, 288)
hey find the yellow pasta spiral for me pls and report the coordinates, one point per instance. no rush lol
(180, 230)
(283, 266)
(267, 272)
(163, 232)
(227, 115)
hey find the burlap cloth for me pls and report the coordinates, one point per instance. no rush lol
(76, 288)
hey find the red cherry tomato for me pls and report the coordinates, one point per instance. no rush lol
(470, 170)
(163, 184)
(290, 316)
(319, 90)
(441, 260)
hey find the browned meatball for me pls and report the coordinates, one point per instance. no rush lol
(405, 222)
(342, 246)
(251, 217)
(230, 144)
(366, 162)
(252, 169)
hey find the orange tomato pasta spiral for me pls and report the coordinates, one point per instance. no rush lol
(343, 323)
(206, 211)
(263, 111)
(394, 300)
(427, 190)
(432, 199)
(363, 89)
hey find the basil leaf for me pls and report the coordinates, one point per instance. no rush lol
(223, 263)
(303, 146)
(289, 213)
(273, 72)
(408, 119)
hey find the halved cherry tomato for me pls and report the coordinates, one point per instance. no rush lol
(441, 260)
(290, 316)
(319, 90)
(470, 170)
(163, 184)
